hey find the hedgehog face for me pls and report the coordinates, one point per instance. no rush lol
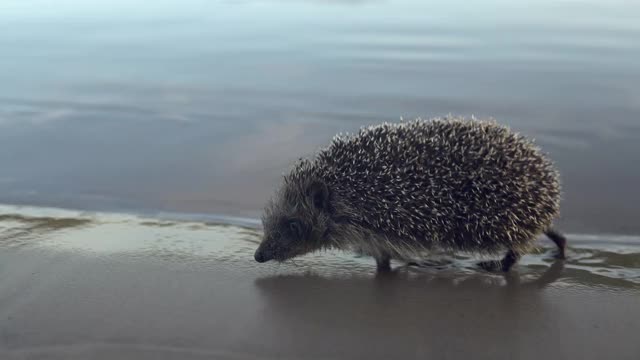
(296, 222)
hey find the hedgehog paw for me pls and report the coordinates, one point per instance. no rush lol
(491, 266)
(560, 255)
(383, 264)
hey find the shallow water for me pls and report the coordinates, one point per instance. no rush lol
(198, 106)
(77, 285)
(608, 261)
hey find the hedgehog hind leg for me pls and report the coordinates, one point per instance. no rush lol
(383, 263)
(504, 265)
(560, 241)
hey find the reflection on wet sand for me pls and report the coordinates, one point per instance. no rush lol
(129, 287)
(404, 315)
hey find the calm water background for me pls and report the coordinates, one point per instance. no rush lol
(199, 106)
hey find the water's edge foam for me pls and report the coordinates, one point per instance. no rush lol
(203, 240)
(59, 212)
(243, 222)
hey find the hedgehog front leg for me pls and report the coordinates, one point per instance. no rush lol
(383, 262)
(560, 241)
(509, 260)
(505, 264)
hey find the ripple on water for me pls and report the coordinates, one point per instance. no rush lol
(592, 260)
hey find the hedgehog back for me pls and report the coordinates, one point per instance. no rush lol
(455, 184)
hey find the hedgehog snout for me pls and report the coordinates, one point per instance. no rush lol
(262, 253)
(259, 256)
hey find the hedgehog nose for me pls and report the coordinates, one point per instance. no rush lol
(259, 256)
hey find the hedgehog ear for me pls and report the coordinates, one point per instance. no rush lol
(318, 193)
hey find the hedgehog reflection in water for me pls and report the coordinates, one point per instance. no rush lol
(402, 190)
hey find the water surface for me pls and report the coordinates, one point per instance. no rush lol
(199, 106)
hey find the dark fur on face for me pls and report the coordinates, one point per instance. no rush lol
(296, 221)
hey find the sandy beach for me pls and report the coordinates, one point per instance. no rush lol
(103, 286)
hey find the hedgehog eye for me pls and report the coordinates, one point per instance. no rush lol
(295, 228)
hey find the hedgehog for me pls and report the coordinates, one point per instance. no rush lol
(405, 190)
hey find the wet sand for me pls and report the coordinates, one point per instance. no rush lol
(104, 286)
